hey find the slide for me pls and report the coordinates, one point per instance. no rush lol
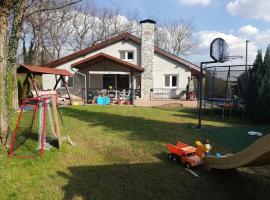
(257, 154)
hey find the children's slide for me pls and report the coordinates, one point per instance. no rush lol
(257, 154)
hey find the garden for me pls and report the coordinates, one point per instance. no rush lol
(120, 153)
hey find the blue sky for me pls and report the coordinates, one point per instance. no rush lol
(234, 20)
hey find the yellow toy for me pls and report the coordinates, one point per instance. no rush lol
(200, 151)
(203, 149)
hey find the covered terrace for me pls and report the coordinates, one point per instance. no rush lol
(109, 76)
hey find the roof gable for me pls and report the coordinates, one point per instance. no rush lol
(101, 57)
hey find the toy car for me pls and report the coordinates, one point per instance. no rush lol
(184, 153)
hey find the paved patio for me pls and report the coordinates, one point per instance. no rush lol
(166, 103)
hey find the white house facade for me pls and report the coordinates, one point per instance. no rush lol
(128, 63)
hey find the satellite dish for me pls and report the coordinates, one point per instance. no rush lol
(219, 50)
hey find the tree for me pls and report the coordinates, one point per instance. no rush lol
(267, 82)
(8, 54)
(259, 98)
(175, 36)
(18, 8)
(4, 13)
(83, 22)
(59, 30)
(22, 9)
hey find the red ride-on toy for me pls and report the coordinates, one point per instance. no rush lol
(184, 153)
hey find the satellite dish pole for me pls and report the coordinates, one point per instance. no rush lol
(246, 54)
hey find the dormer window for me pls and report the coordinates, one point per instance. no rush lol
(126, 55)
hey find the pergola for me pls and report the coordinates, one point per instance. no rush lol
(32, 71)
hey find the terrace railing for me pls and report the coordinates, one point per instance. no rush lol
(168, 94)
(125, 94)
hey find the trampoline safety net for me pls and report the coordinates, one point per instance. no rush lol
(226, 87)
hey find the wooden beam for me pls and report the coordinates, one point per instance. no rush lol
(34, 84)
(56, 119)
(66, 86)
(56, 84)
(24, 85)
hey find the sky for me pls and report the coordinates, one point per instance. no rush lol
(234, 20)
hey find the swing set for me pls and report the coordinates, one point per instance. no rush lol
(31, 74)
(37, 128)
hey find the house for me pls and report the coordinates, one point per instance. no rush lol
(127, 63)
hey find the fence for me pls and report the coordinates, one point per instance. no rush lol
(168, 94)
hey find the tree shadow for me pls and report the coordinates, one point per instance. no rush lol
(138, 128)
(143, 129)
(161, 180)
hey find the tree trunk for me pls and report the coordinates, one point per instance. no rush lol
(4, 12)
(12, 93)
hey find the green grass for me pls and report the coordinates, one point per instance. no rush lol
(120, 154)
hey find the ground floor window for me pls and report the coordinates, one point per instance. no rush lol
(171, 81)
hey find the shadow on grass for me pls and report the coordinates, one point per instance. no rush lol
(215, 116)
(139, 128)
(160, 181)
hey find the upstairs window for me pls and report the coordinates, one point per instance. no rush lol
(130, 55)
(126, 55)
(171, 81)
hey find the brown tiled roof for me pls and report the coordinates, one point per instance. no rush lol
(123, 36)
(102, 57)
(23, 68)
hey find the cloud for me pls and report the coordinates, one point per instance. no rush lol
(263, 38)
(248, 30)
(195, 2)
(252, 9)
(237, 46)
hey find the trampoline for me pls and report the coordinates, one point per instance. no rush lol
(225, 89)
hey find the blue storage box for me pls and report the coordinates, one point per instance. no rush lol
(103, 100)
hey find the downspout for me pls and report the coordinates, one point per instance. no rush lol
(85, 85)
(133, 92)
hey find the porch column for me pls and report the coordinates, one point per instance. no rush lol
(132, 88)
(87, 84)
(115, 85)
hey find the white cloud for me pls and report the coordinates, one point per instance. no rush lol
(248, 30)
(253, 9)
(237, 46)
(263, 38)
(195, 2)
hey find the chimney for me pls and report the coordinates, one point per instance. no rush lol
(147, 56)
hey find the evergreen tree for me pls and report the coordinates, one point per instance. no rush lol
(253, 105)
(258, 105)
(266, 81)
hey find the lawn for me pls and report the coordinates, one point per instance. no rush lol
(120, 154)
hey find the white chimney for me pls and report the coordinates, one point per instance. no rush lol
(147, 56)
